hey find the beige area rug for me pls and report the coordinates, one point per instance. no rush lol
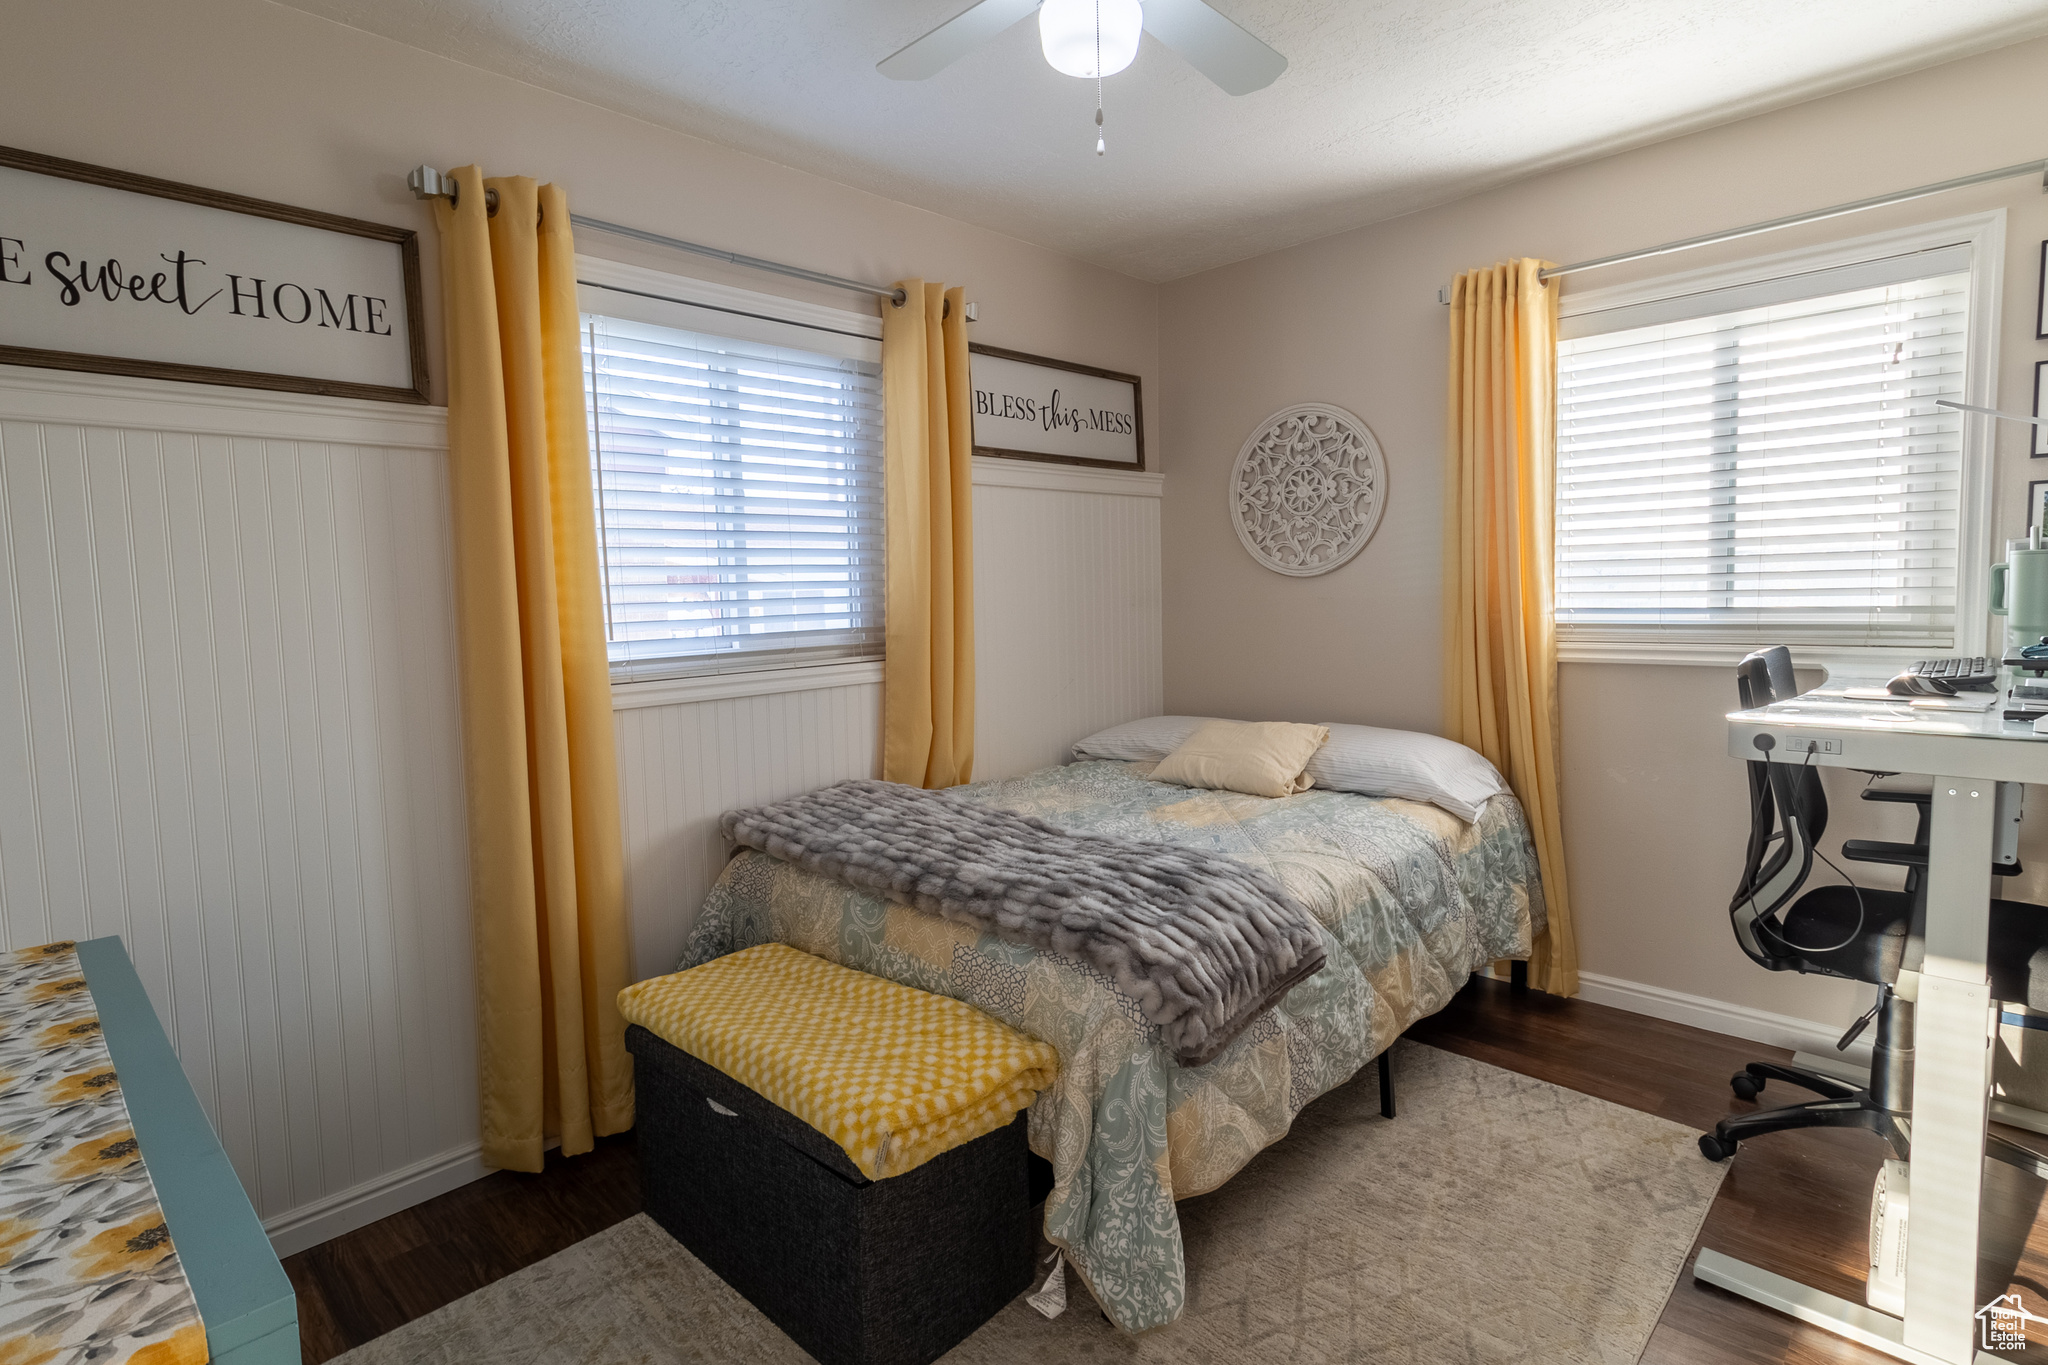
(1498, 1219)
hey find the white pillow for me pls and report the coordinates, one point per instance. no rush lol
(1139, 741)
(1376, 762)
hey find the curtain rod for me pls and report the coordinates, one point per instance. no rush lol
(1990, 412)
(428, 183)
(1793, 220)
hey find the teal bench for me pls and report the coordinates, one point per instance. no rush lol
(245, 1300)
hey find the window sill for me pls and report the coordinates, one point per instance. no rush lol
(760, 682)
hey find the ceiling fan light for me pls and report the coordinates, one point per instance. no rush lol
(1066, 30)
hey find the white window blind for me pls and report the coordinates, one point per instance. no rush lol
(1766, 463)
(739, 499)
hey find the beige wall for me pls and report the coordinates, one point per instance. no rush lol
(1654, 811)
(253, 98)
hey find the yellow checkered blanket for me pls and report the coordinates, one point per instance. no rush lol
(894, 1075)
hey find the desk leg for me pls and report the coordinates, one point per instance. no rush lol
(1879, 1331)
(1951, 1075)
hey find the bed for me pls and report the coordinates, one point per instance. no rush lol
(1410, 900)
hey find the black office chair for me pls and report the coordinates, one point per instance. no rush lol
(1861, 934)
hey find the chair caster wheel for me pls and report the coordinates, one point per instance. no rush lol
(1746, 1086)
(1714, 1149)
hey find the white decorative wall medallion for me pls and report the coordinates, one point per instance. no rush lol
(1307, 489)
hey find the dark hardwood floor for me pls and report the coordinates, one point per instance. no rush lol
(363, 1284)
(1795, 1203)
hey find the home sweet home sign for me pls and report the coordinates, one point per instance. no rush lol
(124, 274)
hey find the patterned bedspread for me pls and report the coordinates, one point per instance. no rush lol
(1411, 900)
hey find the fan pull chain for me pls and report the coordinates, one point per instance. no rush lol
(1098, 78)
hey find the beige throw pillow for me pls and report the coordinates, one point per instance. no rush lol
(1257, 757)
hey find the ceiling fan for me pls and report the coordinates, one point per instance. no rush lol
(1097, 38)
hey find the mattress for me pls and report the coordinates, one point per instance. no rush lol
(1410, 901)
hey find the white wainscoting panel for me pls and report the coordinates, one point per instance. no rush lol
(1067, 613)
(682, 766)
(229, 734)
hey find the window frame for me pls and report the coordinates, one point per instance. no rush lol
(1984, 233)
(658, 298)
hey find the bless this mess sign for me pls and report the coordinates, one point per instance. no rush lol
(1027, 407)
(117, 273)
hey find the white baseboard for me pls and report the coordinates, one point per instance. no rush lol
(346, 1210)
(1740, 1021)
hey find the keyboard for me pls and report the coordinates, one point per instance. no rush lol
(1946, 677)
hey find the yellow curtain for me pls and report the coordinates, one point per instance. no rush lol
(928, 677)
(1500, 640)
(547, 884)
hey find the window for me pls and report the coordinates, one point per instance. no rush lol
(739, 490)
(1765, 462)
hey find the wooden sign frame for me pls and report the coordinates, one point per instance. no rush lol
(2037, 446)
(1137, 410)
(405, 239)
(2041, 301)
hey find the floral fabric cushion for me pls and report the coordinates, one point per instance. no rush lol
(88, 1275)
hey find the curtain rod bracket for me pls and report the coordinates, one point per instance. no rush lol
(428, 183)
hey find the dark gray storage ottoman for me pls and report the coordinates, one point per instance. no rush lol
(856, 1271)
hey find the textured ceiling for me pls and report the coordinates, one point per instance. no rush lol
(1388, 106)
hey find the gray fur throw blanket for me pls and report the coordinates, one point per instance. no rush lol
(1203, 943)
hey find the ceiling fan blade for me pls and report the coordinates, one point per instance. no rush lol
(954, 39)
(1213, 45)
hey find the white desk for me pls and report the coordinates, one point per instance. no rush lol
(1967, 755)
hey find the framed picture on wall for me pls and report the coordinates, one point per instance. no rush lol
(2040, 447)
(1030, 407)
(2037, 492)
(117, 273)
(2041, 310)
(2041, 304)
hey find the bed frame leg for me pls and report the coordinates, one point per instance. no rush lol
(1386, 1084)
(1518, 976)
